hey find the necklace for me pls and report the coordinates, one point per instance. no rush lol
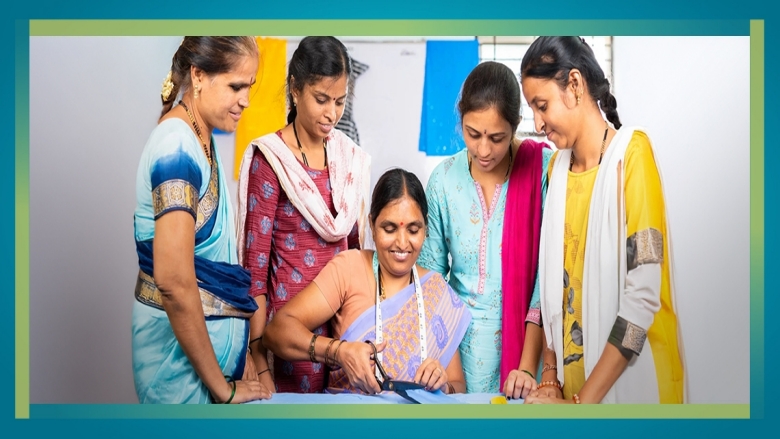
(508, 168)
(300, 148)
(603, 144)
(382, 295)
(197, 130)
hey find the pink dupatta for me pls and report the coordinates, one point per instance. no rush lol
(520, 249)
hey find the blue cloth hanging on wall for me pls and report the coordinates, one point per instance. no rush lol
(447, 64)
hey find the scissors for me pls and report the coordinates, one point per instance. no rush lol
(388, 384)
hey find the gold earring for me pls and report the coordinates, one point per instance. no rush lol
(579, 98)
(197, 90)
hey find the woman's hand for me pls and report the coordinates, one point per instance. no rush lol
(545, 395)
(246, 390)
(431, 374)
(547, 400)
(518, 384)
(356, 360)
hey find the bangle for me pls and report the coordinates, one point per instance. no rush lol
(549, 367)
(450, 388)
(576, 398)
(311, 348)
(233, 393)
(529, 373)
(254, 340)
(550, 383)
(327, 349)
(260, 373)
(335, 363)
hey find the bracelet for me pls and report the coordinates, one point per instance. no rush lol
(327, 349)
(529, 373)
(254, 340)
(335, 363)
(450, 388)
(550, 383)
(549, 367)
(260, 373)
(233, 393)
(576, 398)
(311, 348)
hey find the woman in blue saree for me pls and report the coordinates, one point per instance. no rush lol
(190, 318)
(382, 296)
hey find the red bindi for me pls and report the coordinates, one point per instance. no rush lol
(402, 223)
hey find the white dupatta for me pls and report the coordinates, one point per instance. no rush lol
(349, 173)
(604, 277)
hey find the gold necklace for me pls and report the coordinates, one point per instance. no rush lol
(197, 130)
(382, 295)
(603, 144)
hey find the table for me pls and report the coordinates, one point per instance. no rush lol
(422, 396)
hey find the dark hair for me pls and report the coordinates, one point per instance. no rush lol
(554, 57)
(213, 55)
(315, 58)
(393, 185)
(492, 84)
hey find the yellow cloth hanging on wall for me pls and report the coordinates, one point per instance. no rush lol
(267, 110)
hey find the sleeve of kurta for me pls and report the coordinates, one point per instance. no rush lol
(262, 201)
(435, 252)
(646, 232)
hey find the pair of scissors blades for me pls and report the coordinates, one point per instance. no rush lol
(391, 385)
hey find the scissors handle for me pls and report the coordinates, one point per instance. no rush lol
(385, 377)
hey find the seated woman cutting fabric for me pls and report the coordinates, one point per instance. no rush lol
(379, 296)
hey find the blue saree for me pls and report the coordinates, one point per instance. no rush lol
(175, 175)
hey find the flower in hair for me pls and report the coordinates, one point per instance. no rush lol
(167, 87)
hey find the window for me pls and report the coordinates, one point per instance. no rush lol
(510, 51)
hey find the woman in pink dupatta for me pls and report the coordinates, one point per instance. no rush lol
(485, 217)
(379, 296)
(302, 200)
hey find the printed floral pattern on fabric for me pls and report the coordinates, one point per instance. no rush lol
(296, 254)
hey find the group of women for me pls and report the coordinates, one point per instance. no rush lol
(518, 270)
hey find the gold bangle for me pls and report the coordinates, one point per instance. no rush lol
(548, 367)
(327, 349)
(335, 352)
(311, 348)
(451, 389)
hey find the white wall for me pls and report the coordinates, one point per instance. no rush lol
(94, 101)
(692, 94)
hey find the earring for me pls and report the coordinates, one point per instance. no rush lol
(579, 99)
(195, 93)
